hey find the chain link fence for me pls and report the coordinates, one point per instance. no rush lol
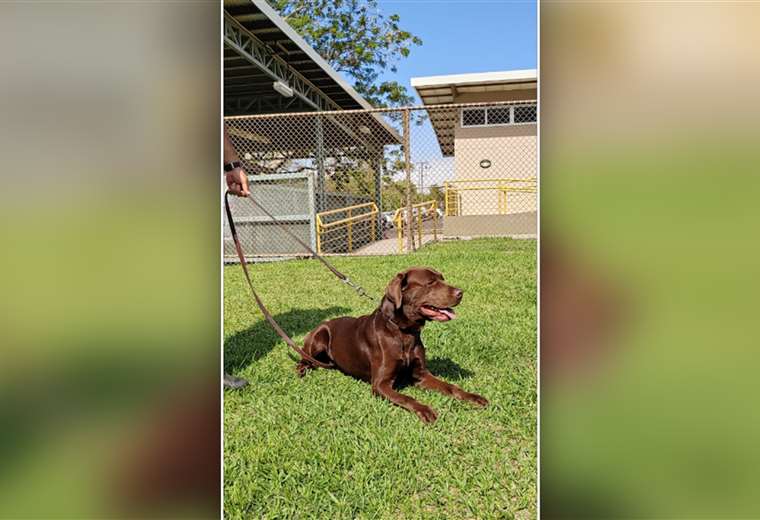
(385, 181)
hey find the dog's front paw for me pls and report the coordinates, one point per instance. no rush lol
(478, 400)
(426, 414)
(302, 367)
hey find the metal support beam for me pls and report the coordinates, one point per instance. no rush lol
(262, 56)
(246, 104)
(255, 51)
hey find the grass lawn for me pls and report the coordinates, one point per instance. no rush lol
(324, 447)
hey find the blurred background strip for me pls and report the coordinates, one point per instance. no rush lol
(110, 225)
(649, 260)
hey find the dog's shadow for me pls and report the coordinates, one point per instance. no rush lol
(248, 346)
(447, 369)
(443, 368)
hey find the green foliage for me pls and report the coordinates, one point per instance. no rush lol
(356, 39)
(394, 194)
(350, 179)
(436, 193)
(357, 177)
(324, 447)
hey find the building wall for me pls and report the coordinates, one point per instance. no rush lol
(496, 95)
(512, 151)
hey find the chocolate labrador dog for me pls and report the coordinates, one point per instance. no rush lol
(385, 348)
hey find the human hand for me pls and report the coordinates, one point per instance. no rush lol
(237, 182)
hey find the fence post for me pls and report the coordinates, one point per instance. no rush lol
(419, 226)
(435, 220)
(373, 221)
(399, 232)
(319, 235)
(408, 168)
(320, 137)
(350, 223)
(379, 190)
(313, 224)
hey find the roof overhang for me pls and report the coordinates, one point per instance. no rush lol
(435, 90)
(260, 48)
(444, 90)
(279, 45)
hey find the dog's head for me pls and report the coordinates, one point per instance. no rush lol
(420, 294)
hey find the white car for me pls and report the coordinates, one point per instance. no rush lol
(387, 217)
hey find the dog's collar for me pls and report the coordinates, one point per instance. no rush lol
(414, 327)
(411, 329)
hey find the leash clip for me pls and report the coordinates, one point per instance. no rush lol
(359, 289)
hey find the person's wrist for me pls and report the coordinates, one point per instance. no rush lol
(232, 166)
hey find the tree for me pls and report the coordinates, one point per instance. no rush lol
(394, 193)
(356, 39)
(438, 194)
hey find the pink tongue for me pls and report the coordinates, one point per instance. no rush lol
(448, 313)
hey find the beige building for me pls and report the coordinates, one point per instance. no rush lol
(493, 190)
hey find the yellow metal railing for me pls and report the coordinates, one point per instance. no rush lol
(350, 219)
(452, 192)
(431, 206)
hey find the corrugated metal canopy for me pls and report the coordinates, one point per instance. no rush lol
(260, 46)
(242, 79)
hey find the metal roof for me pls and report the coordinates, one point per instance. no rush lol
(245, 80)
(443, 90)
(260, 47)
(434, 90)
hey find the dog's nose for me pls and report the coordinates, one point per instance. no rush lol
(458, 293)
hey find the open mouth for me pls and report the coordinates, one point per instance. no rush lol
(438, 313)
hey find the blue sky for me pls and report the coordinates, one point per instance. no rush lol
(459, 37)
(463, 36)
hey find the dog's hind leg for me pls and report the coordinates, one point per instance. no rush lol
(317, 345)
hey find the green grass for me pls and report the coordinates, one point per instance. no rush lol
(324, 447)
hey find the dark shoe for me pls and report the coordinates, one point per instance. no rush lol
(234, 382)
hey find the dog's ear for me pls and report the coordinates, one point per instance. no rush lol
(393, 296)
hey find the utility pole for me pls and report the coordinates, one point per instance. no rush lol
(421, 167)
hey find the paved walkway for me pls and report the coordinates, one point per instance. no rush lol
(387, 246)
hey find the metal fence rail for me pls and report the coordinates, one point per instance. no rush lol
(350, 219)
(373, 181)
(496, 192)
(422, 212)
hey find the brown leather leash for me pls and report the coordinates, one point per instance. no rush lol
(342, 277)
